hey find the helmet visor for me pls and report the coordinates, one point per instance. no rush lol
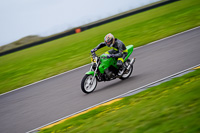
(109, 42)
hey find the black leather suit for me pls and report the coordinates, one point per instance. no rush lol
(119, 50)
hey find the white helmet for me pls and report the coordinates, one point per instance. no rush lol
(109, 39)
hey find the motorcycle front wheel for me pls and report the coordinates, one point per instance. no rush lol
(87, 85)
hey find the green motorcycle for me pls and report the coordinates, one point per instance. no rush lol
(105, 69)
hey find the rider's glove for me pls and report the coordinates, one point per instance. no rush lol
(110, 55)
(93, 50)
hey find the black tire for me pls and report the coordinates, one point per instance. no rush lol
(83, 84)
(125, 76)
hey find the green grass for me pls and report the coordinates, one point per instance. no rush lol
(21, 42)
(172, 107)
(39, 62)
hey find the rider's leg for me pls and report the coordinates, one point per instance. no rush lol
(120, 64)
(112, 51)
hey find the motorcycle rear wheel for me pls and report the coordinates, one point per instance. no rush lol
(128, 74)
(86, 85)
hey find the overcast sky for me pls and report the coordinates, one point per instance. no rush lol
(20, 18)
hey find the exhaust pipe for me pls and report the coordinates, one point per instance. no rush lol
(131, 63)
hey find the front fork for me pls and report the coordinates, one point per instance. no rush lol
(97, 65)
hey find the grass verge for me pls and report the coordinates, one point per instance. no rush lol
(173, 106)
(39, 62)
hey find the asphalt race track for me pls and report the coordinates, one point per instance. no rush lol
(38, 104)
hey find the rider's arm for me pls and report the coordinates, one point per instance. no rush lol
(101, 45)
(120, 54)
(98, 47)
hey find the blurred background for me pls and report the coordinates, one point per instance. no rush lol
(43, 18)
(24, 21)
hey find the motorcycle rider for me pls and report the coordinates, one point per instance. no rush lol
(119, 50)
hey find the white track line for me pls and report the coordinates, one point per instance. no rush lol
(122, 95)
(89, 63)
(44, 80)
